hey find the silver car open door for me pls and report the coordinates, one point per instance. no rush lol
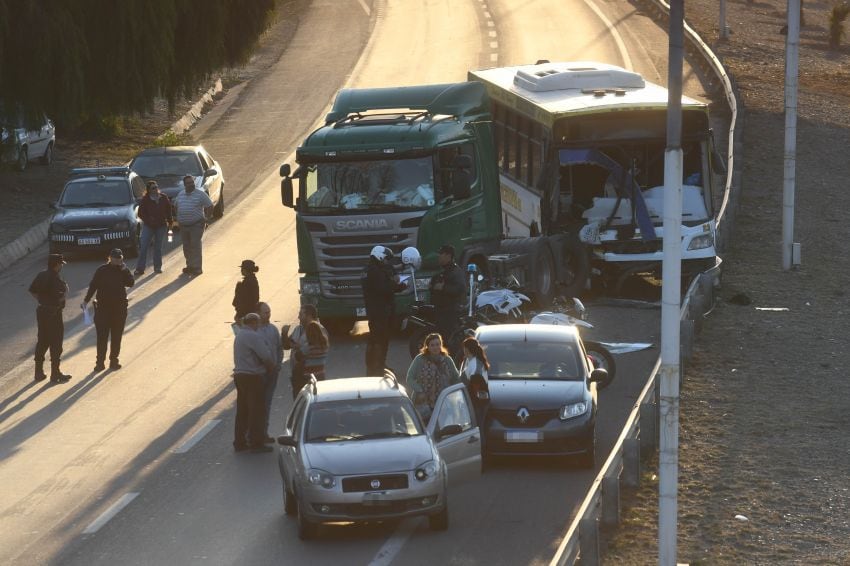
(455, 432)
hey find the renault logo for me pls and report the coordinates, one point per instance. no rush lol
(523, 415)
(375, 484)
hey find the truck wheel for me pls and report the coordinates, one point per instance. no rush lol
(543, 273)
(576, 264)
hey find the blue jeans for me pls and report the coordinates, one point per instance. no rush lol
(158, 236)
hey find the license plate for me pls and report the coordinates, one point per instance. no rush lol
(522, 436)
(361, 311)
(376, 498)
(88, 241)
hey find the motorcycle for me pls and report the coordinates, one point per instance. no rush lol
(599, 355)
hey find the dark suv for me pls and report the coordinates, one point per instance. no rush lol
(97, 210)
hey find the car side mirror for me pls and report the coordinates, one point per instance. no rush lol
(600, 377)
(286, 440)
(449, 430)
(210, 173)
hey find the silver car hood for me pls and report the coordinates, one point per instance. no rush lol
(535, 394)
(382, 455)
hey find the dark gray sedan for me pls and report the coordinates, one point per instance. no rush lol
(542, 391)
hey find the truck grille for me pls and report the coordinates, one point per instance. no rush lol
(536, 418)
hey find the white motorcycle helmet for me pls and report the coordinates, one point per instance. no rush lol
(410, 256)
(381, 253)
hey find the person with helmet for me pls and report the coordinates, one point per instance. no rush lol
(380, 283)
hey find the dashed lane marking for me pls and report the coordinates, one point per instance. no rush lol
(110, 513)
(195, 438)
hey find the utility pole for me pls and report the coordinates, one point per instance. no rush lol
(671, 291)
(790, 250)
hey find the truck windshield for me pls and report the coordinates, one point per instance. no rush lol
(392, 184)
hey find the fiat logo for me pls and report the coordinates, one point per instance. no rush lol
(375, 484)
(523, 415)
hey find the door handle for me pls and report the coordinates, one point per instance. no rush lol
(472, 440)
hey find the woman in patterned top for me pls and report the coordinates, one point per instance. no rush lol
(430, 372)
(315, 350)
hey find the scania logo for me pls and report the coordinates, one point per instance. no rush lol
(523, 415)
(362, 224)
(375, 484)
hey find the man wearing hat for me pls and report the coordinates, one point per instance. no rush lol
(110, 282)
(246, 297)
(49, 289)
(448, 292)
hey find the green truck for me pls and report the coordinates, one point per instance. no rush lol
(521, 168)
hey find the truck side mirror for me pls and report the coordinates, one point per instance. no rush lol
(286, 192)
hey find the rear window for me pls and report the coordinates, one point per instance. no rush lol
(167, 165)
(96, 193)
(361, 419)
(534, 360)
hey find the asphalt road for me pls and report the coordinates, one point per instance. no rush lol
(136, 466)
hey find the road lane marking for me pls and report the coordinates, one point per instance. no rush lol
(111, 512)
(387, 553)
(618, 39)
(365, 7)
(195, 438)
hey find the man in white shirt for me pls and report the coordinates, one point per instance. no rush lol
(252, 360)
(193, 209)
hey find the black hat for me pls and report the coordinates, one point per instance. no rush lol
(116, 252)
(447, 249)
(53, 259)
(249, 265)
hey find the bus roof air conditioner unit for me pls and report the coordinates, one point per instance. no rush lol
(581, 76)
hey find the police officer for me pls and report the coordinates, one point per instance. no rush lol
(110, 282)
(50, 290)
(448, 292)
(246, 296)
(380, 283)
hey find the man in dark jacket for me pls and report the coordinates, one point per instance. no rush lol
(380, 283)
(448, 292)
(156, 215)
(50, 290)
(110, 282)
(246, 296)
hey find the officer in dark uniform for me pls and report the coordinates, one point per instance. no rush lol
(448, 293)
(110, 282)
(246, 296)
(380, 283)
(50, 290)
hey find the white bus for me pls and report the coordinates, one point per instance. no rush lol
(580, 149)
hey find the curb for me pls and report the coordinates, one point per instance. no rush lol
(37, 235)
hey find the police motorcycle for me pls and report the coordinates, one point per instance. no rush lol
(564, 314)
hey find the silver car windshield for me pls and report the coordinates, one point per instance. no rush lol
(95, 193)
(533, 360)
(361, 419)
(397, 184)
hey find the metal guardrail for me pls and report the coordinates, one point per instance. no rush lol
(640, 433)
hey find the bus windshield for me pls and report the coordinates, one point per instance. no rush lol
(391, 184)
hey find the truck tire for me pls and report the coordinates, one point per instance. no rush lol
(576, 267)
(541, 266)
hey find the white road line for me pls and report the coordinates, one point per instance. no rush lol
(365, 7)
(491, 33)
(195, 438)
(490, 24)
(387, 553)
(487, 15)
(111, 512)
(494, 57)
(618, 39)
(494, 45)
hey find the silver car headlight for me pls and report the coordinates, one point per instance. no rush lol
(123, 225)
(426, 471)
(701, 242)
(57, 228)
(310, 288)
(573, 410)
(322, 478)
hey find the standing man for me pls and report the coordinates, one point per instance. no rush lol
(380, 283)
(193, 209)
(252, 360)
(297, 341)
(448, 293)
(155, 212)
(50, 290)
(246, 296)
(110, 282)
(271, 335)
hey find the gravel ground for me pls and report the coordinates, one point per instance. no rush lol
(764, 408)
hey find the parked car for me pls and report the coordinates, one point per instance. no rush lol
(97, 210)
(168, 165)
(543, 392)
(20, 144)
(355, 449)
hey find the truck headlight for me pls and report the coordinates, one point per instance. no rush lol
(426, 471)
(701, 242)
(310, 287)
(573, 410)
(422, 283)
(320, 477)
